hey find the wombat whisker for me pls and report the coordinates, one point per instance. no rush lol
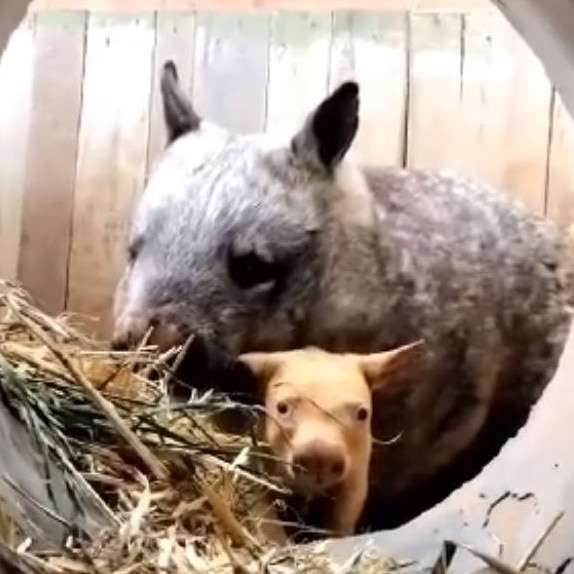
(393, 440)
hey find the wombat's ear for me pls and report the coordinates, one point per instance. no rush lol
(263, 365)
(330, 129)
(179, 115)
(383, 368)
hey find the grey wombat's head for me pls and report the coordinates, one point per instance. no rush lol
(226, 240)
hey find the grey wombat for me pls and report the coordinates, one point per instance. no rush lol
(260, 245)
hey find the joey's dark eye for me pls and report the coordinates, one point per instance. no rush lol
(362, 414)
(282, 408)
(250, 270)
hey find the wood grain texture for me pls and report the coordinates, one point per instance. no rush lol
(175, 38)
(298, 66)
(528, 125)
(506, 102)
(247, 5)
(112, 158)
(51, 159)
(434, 111)
(560, 204)
(487, 76)
(371, 48)
(16, 73)
(231, 68)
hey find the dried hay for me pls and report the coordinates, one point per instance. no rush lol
(183, 496)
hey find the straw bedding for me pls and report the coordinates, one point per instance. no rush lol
(181, 496)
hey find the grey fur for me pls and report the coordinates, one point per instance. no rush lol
(373, 258)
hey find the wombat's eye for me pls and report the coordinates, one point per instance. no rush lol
(250, 270)
(134, 249)
(362, 414)
(282, 408)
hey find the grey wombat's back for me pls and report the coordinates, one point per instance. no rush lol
(485, 283)
(260, 247)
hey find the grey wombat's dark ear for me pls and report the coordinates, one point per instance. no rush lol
(179, 115)
(330, 129)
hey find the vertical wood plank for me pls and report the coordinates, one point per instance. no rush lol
(371, 47)
(51, 159)
(175, 36)
(126, 6)
(560, 206)
(231, 66)
(16, 73)
(112, 158)
(298, 69)
(506, 102)
(435, 91)
(488, 71)
(528, 128)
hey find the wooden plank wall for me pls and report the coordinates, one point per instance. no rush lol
(81, 122)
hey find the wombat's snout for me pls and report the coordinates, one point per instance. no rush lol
(130, 330)
(320, 462)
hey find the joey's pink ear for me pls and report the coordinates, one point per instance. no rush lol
(381, 369)
(263, 365)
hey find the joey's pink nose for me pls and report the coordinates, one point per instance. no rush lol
(321, 463)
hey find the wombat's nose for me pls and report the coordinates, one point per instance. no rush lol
(324, 464)
(129, 331)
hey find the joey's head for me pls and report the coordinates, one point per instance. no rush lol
(319, 407)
